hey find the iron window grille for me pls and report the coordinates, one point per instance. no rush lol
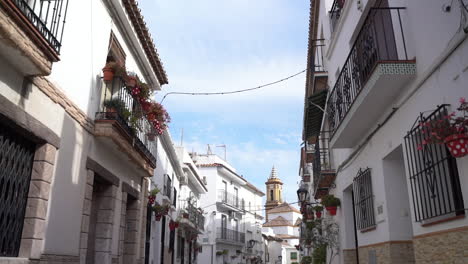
(16, 160)
(363, 199)
(174, 199)
(435, 183)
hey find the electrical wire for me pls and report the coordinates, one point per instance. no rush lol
(236, 91)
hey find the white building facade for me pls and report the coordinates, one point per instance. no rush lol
(233, 218)
(73, 175)
(377, 71)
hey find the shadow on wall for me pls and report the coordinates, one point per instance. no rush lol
(65, 208)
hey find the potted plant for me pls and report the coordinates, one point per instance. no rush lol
(112, 69)
(451, 130)
(160, 210)
(114, 105)
(318, 211)
(310, 225)
(331, 203)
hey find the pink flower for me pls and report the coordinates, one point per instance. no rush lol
(420, 147)
(462, 100)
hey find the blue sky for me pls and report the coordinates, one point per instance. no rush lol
(212, 46)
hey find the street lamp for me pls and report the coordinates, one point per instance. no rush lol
(302, 194)
(252, 243)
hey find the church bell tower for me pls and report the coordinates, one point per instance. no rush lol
(274, 188)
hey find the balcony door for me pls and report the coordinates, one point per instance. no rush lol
(224, 191)
(236, 230)
(236, 197)
(223, 226)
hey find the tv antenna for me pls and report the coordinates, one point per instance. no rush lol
(223, 146)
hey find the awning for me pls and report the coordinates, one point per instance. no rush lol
(313, 114)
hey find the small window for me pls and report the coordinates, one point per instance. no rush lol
(293, 255)
(174, 199)
(271, 195)
(363, 199)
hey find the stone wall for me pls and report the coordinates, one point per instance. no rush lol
(449, 246)
(387, 252)
(349, 256)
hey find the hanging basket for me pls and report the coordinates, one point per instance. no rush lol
(331, 210)
(457, 144)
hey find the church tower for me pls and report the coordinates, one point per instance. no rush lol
(274, 187)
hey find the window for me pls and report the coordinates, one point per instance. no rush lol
(271, 195)
(363, 200)
(174, 199)
(293, 255)
(167, 185)
(225, 191)
(435, 183)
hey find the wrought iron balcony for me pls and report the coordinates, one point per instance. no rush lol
(195, 216)
(229, 199)
(323, 173)
(228, 235)
(130, 119)
(47, 17)
(378, 59)
(335, 13)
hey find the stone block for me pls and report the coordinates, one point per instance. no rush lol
(83, 253)
(102, 257)
(30, 248)
(105, 216)
(39, 189)
(46, 153)
(33, 228)
(103, 230)
(89, 192)
(84, 223)
(42, 171)
(36, 208)
(130, 248)
(83, 240)
(86, 207)
(107, 203)
(103, 244)
(90, 177)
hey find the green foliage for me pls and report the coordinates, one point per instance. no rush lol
(306, 260)
(115, 103)
(330, 200)
(319, 254)
(318, 208)
(155, 191)
(310, 225)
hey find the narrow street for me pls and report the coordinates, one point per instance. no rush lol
(233, 132)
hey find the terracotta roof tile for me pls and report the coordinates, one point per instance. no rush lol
(284, 208)
(145, 38)
(278, 221)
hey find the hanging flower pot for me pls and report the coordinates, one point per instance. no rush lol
(158, 217)
(172, 225)
(318, 214)
(457, 144)
(331, 210)
(108, 74)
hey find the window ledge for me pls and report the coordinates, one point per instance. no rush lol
(442, 219)
(368, 229)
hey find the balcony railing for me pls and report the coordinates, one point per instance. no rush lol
(335, 13)
(129, 117)
(229, 199)
(230, 235)
(195, 216)
(47, 16)
(381, 39)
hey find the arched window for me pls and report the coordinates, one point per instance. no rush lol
(271, 195)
